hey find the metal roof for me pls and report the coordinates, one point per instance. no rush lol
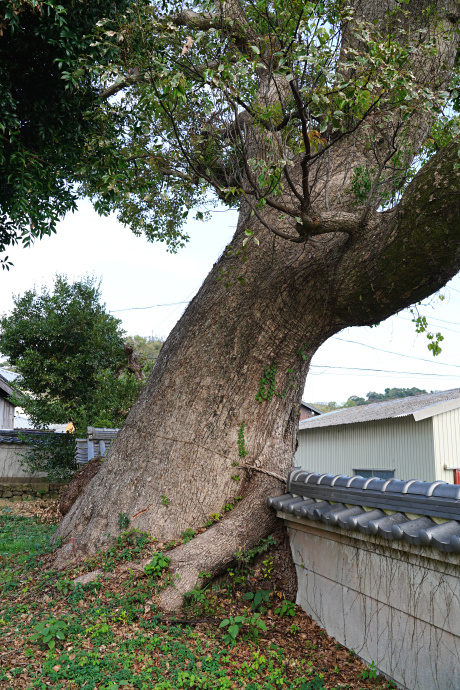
(4, 386)
(311, 407)
(8, 375)
(420, 406)
(356, 503)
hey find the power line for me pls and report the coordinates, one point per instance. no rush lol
(152, 306)
(399, 354)
(444, 328)
(386, 371)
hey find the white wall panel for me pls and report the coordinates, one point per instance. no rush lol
(446, 434)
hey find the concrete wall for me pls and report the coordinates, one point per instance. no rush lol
(392, 603)
(9, 461)
(400, 444)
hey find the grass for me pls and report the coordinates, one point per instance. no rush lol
(23, 537)
(110, 635)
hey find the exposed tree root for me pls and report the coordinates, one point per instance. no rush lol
(210, 553)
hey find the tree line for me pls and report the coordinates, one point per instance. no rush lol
(371, 397)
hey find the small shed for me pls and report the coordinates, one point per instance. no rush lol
(409, 438)
(6, 408)
(308, 410)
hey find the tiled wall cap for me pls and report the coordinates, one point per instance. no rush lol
(343, 519)
(444, 541)
(298, 476)
(447, 491)
(383, 525)
(455, 543)
(419, 488)
(439, 534)
(300, 509)
(340, 517)
(396, 486)
(313, 478)
(320, 511)
(336, 479)
(311, 510)
(357, 482)
(293, 476)
(326, 479)
(274, 499)
(307, 477)
(330, 517)
(408, 484)
(376, 483)
(385, 484)
(365, 517)
(368, 482)
(434, 485)
(411, 528)
(351, 481)
(365, 520)
(342, 480)
(289, 506)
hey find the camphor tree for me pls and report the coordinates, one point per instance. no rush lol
(327, 125)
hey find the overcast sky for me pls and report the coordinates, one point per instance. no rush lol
(137, 274)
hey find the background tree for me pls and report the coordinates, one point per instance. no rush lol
(147, 349)
(312, 118)
(371, 397)
(392, 394)
(66, 348)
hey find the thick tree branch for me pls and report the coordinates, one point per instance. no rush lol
(325, 223)
(411, 252)
(306, 143)
(135, 78)
(198, 20)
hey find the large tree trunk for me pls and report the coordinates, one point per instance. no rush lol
(177, 459)
(172, 464)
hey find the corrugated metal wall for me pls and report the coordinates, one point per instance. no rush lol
(400, 444)
(446, 434)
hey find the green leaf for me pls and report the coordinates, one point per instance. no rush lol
(233, 631)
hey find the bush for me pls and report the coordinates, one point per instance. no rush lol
(51, 453)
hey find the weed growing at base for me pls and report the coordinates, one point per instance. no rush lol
(109, 634)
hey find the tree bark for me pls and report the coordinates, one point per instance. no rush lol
(229, 379)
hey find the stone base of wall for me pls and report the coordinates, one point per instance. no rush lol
(394, 604)
(20, 490)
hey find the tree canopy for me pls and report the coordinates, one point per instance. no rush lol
(45, 96)
(152, 102)
(307, 76)
(67, 348)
